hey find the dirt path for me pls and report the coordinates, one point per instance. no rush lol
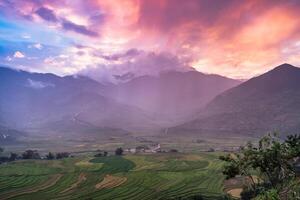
(48, 183)
(110, 181)
(236, 193)
(81, 178)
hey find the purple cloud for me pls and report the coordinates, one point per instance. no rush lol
(26, 10)
(124, 77)
(68, 25)
(128, 54)
(46, 14)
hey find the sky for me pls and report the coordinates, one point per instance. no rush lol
(112, 40)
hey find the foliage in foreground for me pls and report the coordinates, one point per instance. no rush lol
(273, 162)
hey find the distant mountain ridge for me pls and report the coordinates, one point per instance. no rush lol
(51, 104)
(202, 104)
(33, 100)
(172, 94)
(8, 135)
(270, 102)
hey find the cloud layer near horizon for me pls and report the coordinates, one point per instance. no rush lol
(109, 39)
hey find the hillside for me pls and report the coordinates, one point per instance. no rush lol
(173, 94)
(8, 135)
(80, 104)
(265, 103)
(69, 104)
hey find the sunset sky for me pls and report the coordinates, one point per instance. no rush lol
(103, 38)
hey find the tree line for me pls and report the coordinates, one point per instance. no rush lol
(31, 154)
(34, 154)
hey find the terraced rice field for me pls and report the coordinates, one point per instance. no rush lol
(137, 177)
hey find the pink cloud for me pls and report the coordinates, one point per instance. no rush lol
(233, 38)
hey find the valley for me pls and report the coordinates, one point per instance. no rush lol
(149, 100)
(172, 154)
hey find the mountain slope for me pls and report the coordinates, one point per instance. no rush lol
(46, 101)
(8, 135)
(265, 103)
(172, 94)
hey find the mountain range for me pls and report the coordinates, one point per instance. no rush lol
(171, 95)
(32, 100)
(52, 104)
(183, 102)
(267, 103)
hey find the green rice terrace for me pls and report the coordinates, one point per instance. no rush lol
(140, 177)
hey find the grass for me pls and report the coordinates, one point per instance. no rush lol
(136, 177)
(113, 164)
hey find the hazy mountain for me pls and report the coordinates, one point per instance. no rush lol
(33, 100)
(8, 135)
(172, 95)
(265, 103)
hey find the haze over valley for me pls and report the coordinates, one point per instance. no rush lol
(189, 104)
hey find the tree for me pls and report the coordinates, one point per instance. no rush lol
(173, 151)
(119, 151)
(273, 162)
(293, 143)
(31, 154)
(62, 155)
(13, 156)
(50, 156)
(1, 150)
(101, 154)
(271, 194)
